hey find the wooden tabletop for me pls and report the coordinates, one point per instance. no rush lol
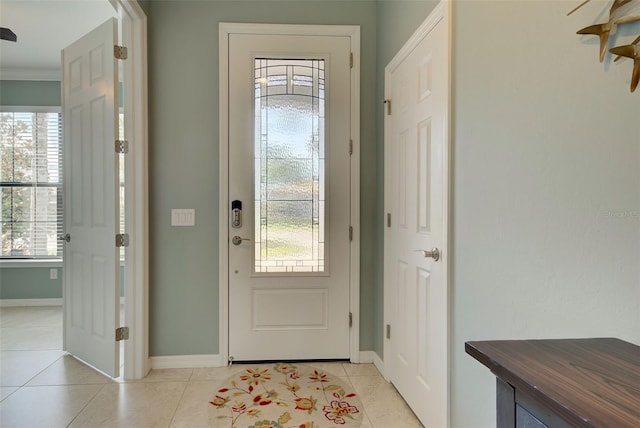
(587, 382)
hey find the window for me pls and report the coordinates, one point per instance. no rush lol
(289, 165)
(31, 184)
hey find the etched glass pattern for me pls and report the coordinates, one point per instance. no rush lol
(289, 166)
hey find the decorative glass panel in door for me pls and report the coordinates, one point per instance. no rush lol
(289, 166)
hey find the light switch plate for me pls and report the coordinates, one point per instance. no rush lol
(183, 217)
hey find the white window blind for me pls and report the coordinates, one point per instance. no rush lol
(31, 184)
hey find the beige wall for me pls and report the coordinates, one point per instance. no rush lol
(546, 184)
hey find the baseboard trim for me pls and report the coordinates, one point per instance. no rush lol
(215, 360)
(368, 357)
(186, 361)
(30, 302)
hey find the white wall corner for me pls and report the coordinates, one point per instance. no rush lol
(369, 357)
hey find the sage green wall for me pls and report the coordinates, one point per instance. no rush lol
(35, 283)
(396, 22)
(36, 93)
(183, 159)
(29, 93)
(29, 283)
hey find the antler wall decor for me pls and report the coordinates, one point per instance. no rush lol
(621, 12)
(630, 51)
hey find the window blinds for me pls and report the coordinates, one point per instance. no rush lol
(31, 184)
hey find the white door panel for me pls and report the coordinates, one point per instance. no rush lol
(289, 277)
(416, 199)
(91, 259)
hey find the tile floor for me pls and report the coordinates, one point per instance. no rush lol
(41, 386)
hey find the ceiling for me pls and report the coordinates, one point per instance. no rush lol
(44, 28)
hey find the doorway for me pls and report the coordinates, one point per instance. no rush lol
(289, 111)
(132, 21)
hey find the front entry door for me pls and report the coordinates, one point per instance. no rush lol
(91, 204)
(289, 196)
(415, 238)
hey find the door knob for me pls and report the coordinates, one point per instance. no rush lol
(66, 238)
(434, 253)
(236, 240)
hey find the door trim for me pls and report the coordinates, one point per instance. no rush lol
(225, 29)
(442, 11)
(133, 22)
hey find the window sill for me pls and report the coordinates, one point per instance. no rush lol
(30, 263)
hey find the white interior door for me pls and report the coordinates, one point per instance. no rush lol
(289, 168)
(415, 240)
(91, 198)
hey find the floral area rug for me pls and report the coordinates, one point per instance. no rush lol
(285, 396)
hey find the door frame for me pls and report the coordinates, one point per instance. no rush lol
(133, 22)
(441, 11)
(225, 29)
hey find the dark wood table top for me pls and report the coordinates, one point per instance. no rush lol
(586, 382)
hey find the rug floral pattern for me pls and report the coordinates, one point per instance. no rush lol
(286, 396)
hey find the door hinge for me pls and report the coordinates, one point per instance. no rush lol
(122, 333)
(120, 52)
(122, 146)
(122, 240)
(351, 60)
(350, 147)
(350, 320)
(388, 103)
(350, 233)
(388, 331)
(388, 219)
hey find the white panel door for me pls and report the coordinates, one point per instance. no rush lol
(91, 202)
(416, 201)
(289, 167)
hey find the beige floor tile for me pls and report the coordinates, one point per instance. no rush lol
(211, 373)
(150, 404)
(30, 316)
(6, 391)
(45, 406)
(366, 423)
(166, 375)
(382, 403)
(74, 393)
(31, 338)
(69, 371)
(221, 373)
(361, 369)
(18, 367)
(194, 409)
(346, 381)
(335, 369)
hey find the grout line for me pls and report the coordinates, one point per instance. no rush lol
(86, 405)
(12, 392)
(41, 371)
(173, 416)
